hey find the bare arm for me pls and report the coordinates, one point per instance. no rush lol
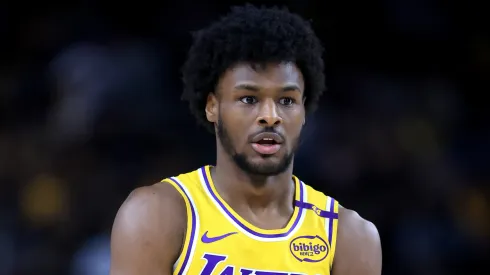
(148, 231)
(358, 249)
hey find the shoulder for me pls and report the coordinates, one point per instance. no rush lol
(151, 205)
(142, 236)
(156, 201)
(358, 245)
(353, 225)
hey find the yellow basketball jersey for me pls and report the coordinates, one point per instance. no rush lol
(219, 242)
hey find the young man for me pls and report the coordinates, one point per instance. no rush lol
(250, 77)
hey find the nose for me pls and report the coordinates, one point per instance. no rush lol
(268, 116)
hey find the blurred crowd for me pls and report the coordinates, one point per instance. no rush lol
(90, 109)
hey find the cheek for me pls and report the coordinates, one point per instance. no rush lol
(294, 132)
(234, 127)
(294, 123)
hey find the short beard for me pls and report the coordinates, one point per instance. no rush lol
(242, 162)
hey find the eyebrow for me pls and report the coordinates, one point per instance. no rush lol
(255, 88)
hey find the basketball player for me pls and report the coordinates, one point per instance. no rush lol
(250, 77)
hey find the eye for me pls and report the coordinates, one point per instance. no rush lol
(286, 101)
(248, 99)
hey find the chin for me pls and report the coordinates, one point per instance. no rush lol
(269, 165)
(265, 170)
(267, 161)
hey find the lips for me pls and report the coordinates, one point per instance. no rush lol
(266, 149)
(267, 143)
(268, 137)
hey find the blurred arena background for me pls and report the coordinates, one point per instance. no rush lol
(90, 109)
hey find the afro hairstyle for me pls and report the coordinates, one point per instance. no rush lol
(253, 35)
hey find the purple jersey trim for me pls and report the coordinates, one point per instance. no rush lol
(322, 213)
(243, 226)
(193, 228)
(330, 222)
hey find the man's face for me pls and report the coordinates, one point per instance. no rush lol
(258, 113)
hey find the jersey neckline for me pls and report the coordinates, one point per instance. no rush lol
(230, 214)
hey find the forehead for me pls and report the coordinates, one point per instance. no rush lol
(267, 75)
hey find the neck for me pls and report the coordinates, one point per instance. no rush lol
(239, 187)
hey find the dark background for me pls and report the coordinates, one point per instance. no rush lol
(90, 109)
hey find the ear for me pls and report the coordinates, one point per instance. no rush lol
(212, 108)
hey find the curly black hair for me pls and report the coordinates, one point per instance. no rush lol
(255, 35)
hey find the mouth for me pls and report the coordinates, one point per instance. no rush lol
(266, 146)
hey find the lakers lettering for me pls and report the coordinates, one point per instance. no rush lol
(309, 248)
(212, 261)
